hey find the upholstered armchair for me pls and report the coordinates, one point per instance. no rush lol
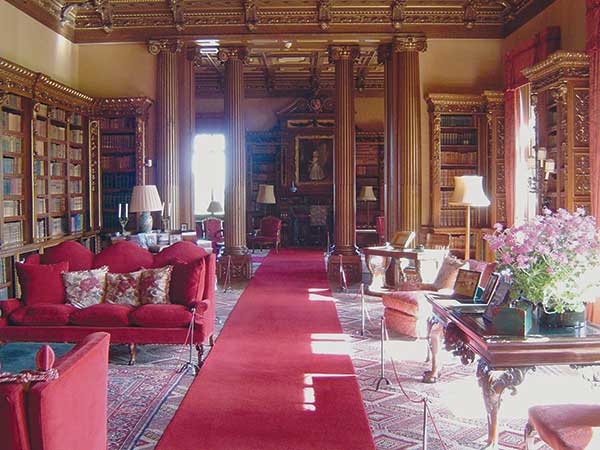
(268, 233)
(437, 241)
(564, 427)
(213, 231)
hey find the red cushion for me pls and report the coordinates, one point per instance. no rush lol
(412, 303)
(78, 256)
(70, 412)
(42, 314)
(124, 257)
(102, 315)
(13, 419)
(42, 283)
(187, 281)
(405, 324)
(184, 251)
(566, 427)
(161, 316)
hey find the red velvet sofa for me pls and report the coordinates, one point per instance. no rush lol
(147, 324)
(67, 413)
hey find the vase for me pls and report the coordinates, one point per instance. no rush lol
(567, 319)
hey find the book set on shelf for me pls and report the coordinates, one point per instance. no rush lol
(467, 139)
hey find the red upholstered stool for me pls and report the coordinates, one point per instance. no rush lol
(564, 427)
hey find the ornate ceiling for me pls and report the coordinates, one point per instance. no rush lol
(287, 39)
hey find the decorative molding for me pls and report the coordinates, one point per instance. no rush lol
(178, 11)
(102, 7)
(227, 53)
(250, 15)
(341, 52)
(409, 43)
(455, 103)
(398, 13)
(324, 14)
(559, 65)
(155, 46)
(582, 111)
(470, 14)
(122, 106)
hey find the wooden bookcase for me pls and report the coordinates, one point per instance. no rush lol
(369, 172)
(560, 95)
(122, 142)
(459, 146)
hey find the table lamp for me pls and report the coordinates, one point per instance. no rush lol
(468, 191)
(214, 207)
(367, 195)
(266, 195)
(144, 200)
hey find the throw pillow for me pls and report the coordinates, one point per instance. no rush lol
(187, 281)
(447, 274)
(154, 285)
(123, 288)
(42, 283)
(85, 287)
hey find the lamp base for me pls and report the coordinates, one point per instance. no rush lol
(145, 222)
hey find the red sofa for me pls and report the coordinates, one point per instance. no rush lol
(67, 413)
(147, 324)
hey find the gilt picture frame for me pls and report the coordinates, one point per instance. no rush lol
(313, 160)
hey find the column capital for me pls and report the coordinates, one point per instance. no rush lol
(229, 53)
(409, 42)
(156, 46)
(340, 52)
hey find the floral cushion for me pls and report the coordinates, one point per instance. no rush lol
(85, 287)
(154, 285)
(123, 288)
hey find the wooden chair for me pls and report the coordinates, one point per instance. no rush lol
(564, 427)
(213, 231)
(268, 233)
(437, 241)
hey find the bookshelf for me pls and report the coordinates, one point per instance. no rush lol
(14, 117)
(560, 95)
(369, 172)
(122, 143)
(459, 146)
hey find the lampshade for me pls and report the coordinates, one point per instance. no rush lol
(214, 207)
(366, 194)
(468, 191)
(266, 194)
(145, 198)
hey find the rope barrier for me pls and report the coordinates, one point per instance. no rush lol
(28, 376)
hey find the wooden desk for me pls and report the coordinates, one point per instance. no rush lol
(379, 259)
(503, 360)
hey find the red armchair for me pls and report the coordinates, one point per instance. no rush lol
(65, 413)
(269, 233)
(380, 228)
(213, 231)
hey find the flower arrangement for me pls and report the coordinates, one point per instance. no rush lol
(553, 260)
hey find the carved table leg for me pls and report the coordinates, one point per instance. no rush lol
(493, 383)
(435, 332)
(132, 353)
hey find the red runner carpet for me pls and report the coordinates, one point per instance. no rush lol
(279, 376)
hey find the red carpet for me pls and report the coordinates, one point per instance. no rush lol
(278, 376)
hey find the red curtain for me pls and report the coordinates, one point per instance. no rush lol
(593, 48)
(522, 56)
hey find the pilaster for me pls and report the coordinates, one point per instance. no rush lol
(233, 59)
(344, 173)
(402, 132)
(167, 121)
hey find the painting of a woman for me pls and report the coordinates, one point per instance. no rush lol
(314, 159)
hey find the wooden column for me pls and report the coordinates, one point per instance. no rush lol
(187, 132)
(344, 160)
(235, 253)
(167, 123)
(402, 133)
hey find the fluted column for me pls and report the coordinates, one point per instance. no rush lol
(167, 136)
(344, 159)
(233, 59)
(402, 133)
(187, 132)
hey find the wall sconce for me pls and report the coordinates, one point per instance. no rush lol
(540, 168)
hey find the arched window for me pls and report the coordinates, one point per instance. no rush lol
(208, 169)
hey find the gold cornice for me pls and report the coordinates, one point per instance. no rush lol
(15, 78)
(455, 103)
(156, 46)
(570, 64)
(125, 106)
(494, 98)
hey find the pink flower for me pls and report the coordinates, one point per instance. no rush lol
(88, 284)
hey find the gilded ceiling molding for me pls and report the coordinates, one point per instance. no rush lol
(250, 15)
(406, 42)
(470, 17)
(155, 46)
(455, 103)
(338, 52)
(227, 53)
(177, 9)
(122, 106)
(101, 7)
(324, 14)
(398, 15)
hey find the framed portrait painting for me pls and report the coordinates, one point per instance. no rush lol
(314, 160)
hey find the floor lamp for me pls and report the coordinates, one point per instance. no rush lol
(367, 195)
(266, 195)
(468, 191)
